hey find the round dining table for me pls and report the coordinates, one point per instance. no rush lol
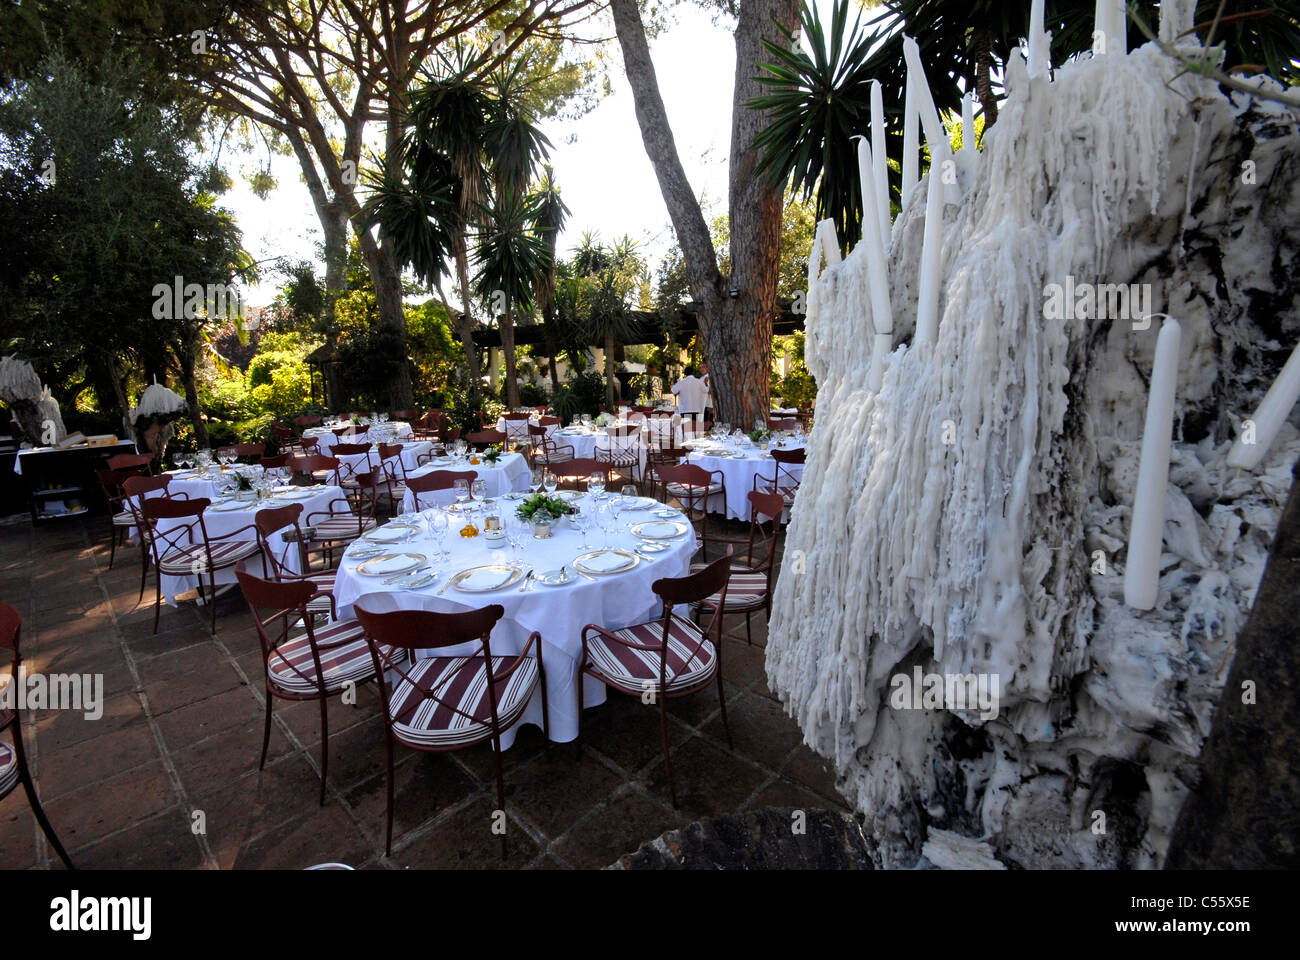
(396, 432)
(510, 473)
(740, 466)
(558, 612)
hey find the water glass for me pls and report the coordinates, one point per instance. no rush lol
(478, 490)
(550, 481)
(462, 490)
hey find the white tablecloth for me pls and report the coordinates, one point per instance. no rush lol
(203, 485)
(122, 446)
(557, 613)
(517, 433)
(510, 473)
(739, 473)
(403, 432)
(362, 462)
(220, 522)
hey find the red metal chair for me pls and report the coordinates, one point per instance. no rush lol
(315, 664)
(137, 488)
(313, 464)
(434, 481)
(516, 425)
(579, 470)
(121, 520)
(179, 552)
(279, 463)
(623, 452)
(692, 485)
(141, 462)
(393, 475)
(310, 446)
(750, 585)
(348, 471)
(13, 759)
(784, 480)
(789, 423)
(448, 703)
(341, 525)
(284, 520)
(668, 657)
(485, 438)
(246, 452)
(546, 451)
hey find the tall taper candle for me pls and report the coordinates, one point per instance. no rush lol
(1147, 525)
(968, 123)
(1117, 35)
(911, 144)
(1040, 49)
(927, 302)
(879, 167)
(882, 317)
(1272, 413)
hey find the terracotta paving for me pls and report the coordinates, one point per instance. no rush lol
(168, 776)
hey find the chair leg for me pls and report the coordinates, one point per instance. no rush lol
(157, 598)
(722, 703)
(112, 546)
(663, 733)
(388, 842)
(212, 600)
(577, 741)
(144, 569)
(266, 731)
(39, 813)
(749, 639)
(324, 745)
(501, 788)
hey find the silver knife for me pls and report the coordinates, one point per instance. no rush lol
(527, 580)
(408, 573)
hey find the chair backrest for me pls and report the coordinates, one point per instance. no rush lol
(485, 438)
(127, 461)
(789, 456)
(306, 420)
(771, 506)
(310, 444)
(580, 467)
(349, 449)
(516, 416)
(449, 434)
(437, 480)
(315, 462)
(343, 431)
(272, 519)
(275, 463)
(407, 415)
(167, 508)
(548, 421)
(110, 483)
(287, 601)
(538, 431)
(137, 486)
(687, 474)
(693, 588)
(782, 424)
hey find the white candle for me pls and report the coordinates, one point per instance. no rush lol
(880, 168)
(1040, 49)
(911, 144)
(968, 123)
(1117, 36)
(830, 241)
(882, 317)
(1272, 413)
(934, 135)
(1147, 525)
(927, 302)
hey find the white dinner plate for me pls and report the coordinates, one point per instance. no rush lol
(660, 530)
(667, 514)
(552, 578)
(392, 533)
(606, 562)
(486, 578)
(651, 547)
(567, 494)
(226, 506)
(636, 503)
(390, 564)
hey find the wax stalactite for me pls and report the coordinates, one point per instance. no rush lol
(968, 123)
(911, 143)
(1147, 525)
(1268, 419)
(880, 167)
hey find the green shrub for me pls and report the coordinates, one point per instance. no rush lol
(532, 396)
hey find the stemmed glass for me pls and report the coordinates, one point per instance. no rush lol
(550, 481)
(515, 529)
(583, 519)
(630, 493)
(596, 486)
(462, 490)
(535, 483)
(606, 519)
(438, 526)
(478, 490)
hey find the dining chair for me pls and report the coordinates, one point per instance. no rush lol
(546, 450)
(393, 475)
(405, 416)
(578, 469)
(784, 480)
(435, 481)
(347, 518)
(313, 665)
(13, 758)
(783, 423)
(273, 520)
(312, 464)
(306, 421)
(137, 488)
(671, 656)
(749, 587)
(310, 446)
(516, 425)
(485, 438)
(186, 549)
(446, 703)
(283, 435)
(693, 486)
(622, 451)
(142, 462)
(243, 451)
(121, 520)
(348, 471)
(658, 457)
(279, 463)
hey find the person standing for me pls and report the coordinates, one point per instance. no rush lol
(708, 391)
(691, 393)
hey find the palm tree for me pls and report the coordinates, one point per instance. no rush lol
(551, 216)
(510, 254)
(609, 278)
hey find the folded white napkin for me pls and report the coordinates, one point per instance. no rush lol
(605, 562)
(389, 565)
(485, 579)
(659, 529)
(384, 533)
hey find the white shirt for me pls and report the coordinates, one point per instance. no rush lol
(691, 392)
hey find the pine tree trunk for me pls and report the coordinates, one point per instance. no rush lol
(507, 326)
(186, 360)
(465, 323)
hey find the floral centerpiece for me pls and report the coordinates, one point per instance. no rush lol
(606, 419)
(492, 454)
(539, 508)
(760, 435)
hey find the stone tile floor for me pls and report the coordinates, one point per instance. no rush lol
(168, 776)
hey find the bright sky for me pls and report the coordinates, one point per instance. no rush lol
(600, 163)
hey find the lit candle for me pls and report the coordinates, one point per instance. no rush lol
(1272, 413)
(880, 169)
(1040, 48)
(1147, 524)
(927, 301)
(911, 144)
(882, 317)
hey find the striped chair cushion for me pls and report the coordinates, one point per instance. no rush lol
(191, 559)
(787, 493)
(561, 456)
(629, 670)
(684, 490)
(323, 581)
(398, 491)
(8, 768)
(745, 590)
(124, 519)
(344, 656)
(342, 527)
(620, 458)
(461, 681)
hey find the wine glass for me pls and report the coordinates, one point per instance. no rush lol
(515, 530)
(550, 481)
(461, 487)
(583, 519)
(630, 493)
(607, 518)
(535, 483)
(478, 489)
(596, 486)
(438, 525)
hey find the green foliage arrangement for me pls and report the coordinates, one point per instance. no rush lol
(533, 509)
